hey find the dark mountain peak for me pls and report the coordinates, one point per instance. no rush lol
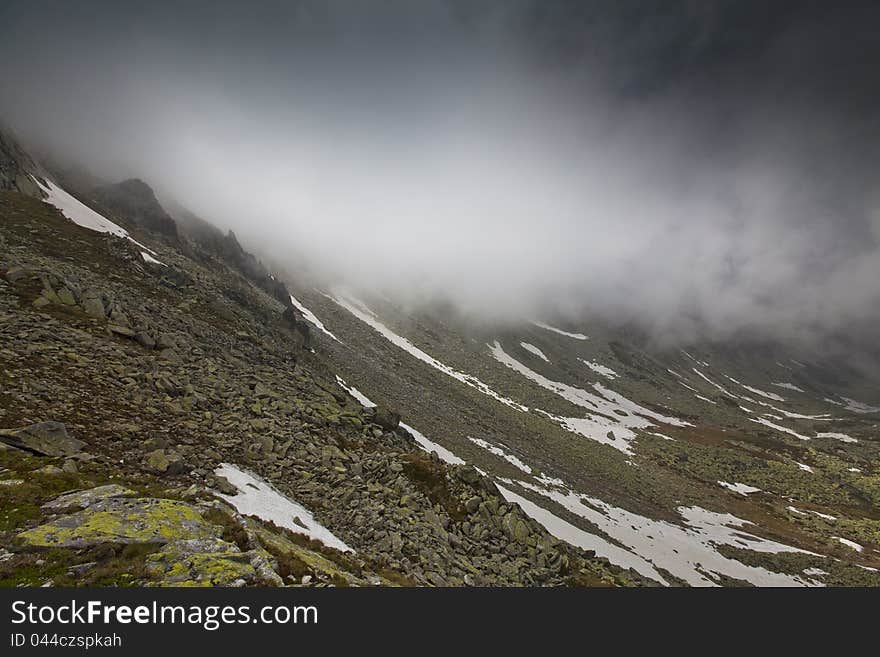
(134, 200)
(138, 188)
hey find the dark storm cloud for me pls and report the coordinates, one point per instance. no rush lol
(691, 166)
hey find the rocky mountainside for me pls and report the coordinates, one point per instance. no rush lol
(163, 423)
(16, 167)
(171, 414)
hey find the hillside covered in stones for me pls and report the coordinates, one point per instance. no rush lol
(134, 370)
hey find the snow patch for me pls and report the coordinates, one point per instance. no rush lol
(848, 543)
(311, 318)
(711, 382)
(687, 551)
(742, 489)
(81, 214)
(430, 446)
(576, 336)
(611, 417)
(859, 407)
(257, 497)
(842, 437)
(787, 386)
(777, 427)
(150, 259)
(354, 392)
(364, 314)
(607, 372)
(423, 441)
(565, 531)
(768, 395)
(534, 350)
(497, 451)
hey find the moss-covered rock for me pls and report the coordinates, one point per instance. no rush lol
(125, 521)
(86, 498)
(211, 562)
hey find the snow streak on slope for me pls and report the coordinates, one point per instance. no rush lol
(576, 336)
(711, 382)
(311, 318)
(768, 423)
(612, 417)
(688, 552)
(788, 386)
(497, 451)
(842, 437)
(259, 498)
(598, 368)
(768, 395)
(421, 439)
(859, 407)
(364, 314)
(151, 260)
(569, 533)
(850, 544)
(81, 214)
(534, 350)
(742, 489)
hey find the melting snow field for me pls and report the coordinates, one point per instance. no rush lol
(534, 350)
(364, 314)
(575, 336)
(311, 318)
(612, 416)
(257, 497)
(607, 372)
(688, 552)
(83, 215)
(565, 531)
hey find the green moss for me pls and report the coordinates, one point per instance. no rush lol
(139, 520)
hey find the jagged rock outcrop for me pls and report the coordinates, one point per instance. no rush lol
(135, 202)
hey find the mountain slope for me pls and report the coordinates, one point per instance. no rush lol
(163, 370)
(731, 467)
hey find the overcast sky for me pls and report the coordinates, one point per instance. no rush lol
(693, 166)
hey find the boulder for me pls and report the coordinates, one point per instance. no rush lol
(166, 462)
(468, 474)
(386, 418)
(44, 439)
(86, 498)
(121, 521)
